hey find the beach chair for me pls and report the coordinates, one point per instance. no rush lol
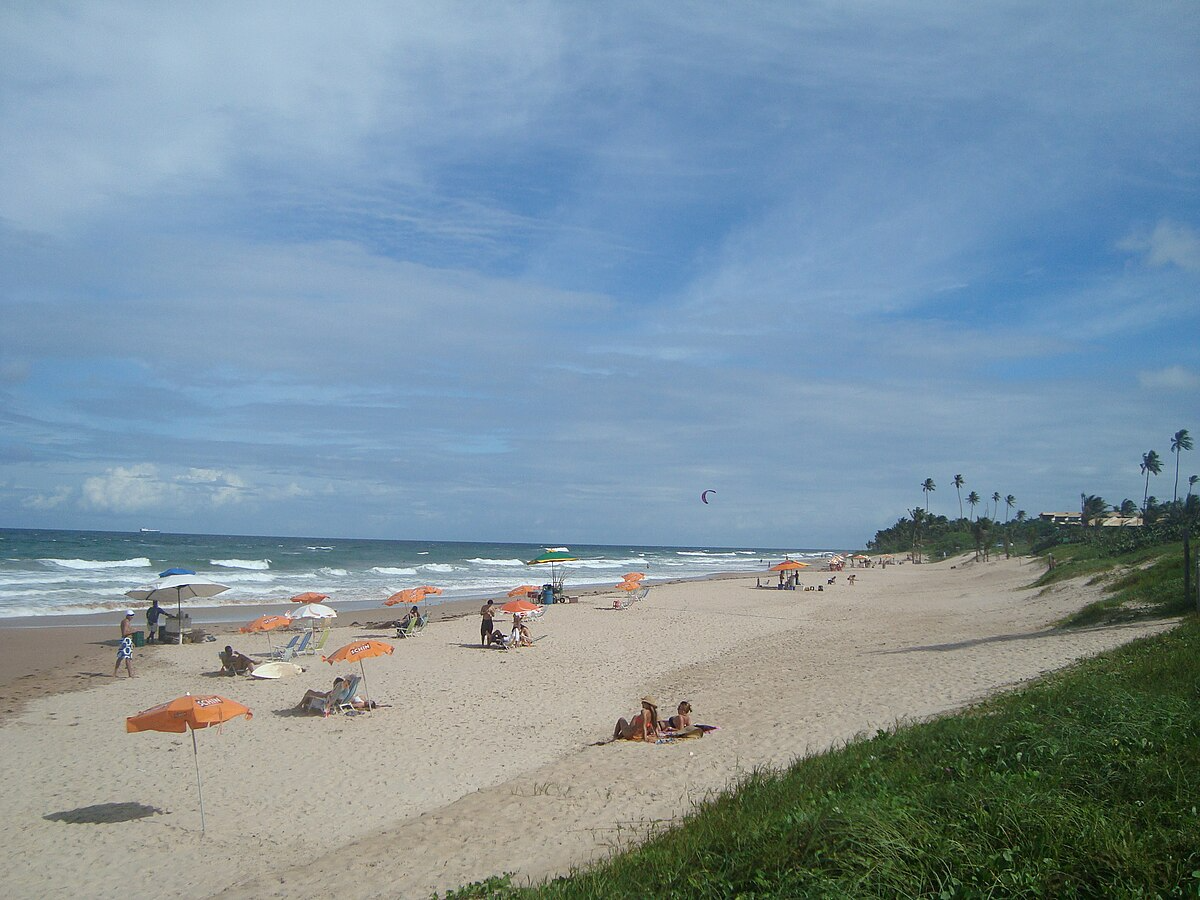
(302, 646)
(345, 701)
(409, 629)
(288, 650)
(318, 644)
(333, 703)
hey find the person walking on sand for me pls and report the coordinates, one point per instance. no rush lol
(125, 650)
(485, 627)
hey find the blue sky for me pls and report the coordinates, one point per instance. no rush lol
(545, 272)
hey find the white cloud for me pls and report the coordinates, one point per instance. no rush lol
(42, 502)
(1170, 244)
(1172, 378)
(128, 489)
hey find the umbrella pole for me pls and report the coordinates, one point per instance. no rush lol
(199, 789)
(179, 622)
(366, 693)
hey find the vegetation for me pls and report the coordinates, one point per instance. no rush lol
(1078, 786)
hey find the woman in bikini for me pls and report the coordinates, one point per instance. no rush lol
(644, 726)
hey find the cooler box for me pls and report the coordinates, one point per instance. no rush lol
(139, 639)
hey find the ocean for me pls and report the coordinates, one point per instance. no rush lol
(79, 572)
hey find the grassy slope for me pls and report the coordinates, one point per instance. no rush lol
(1086, 784)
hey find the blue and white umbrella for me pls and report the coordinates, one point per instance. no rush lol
(189, 585)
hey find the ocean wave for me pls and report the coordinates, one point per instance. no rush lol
(139, 562)
(241, 563)
(248, 577)
(319, 548)
(708, 553)
(497, 562)
(436, 567)
(389, 570)
(332, 573)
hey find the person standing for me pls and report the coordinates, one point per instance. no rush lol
(152, 616)
(485, 627)
(125, 650)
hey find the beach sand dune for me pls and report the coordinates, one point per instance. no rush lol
(484, 761)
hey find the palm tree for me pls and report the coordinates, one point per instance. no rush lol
(958, 484)
(1151, 465)
(1180, 441)
(927, 487)
(1092, 509)
(1192, 482)
(973, 501)
(1021, 514)
(1128, 508)
(996, 500)
(1009, 502)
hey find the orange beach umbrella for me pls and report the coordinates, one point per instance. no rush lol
(357, 651)
(178, 715)
(634, 576)
(519, 606)
(310, 597)
(788, 565)
(523, 590)
(410, 595)
(267, 624)
(629, 586)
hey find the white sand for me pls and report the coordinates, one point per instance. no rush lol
(485, 761)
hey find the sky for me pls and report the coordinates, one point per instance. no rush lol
(544, 272)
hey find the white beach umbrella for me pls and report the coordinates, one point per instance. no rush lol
(312, 611)
(180, 587)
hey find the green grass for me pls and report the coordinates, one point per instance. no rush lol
(1086, 784)
(1142, 584)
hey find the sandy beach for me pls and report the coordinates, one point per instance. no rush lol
(485, 761)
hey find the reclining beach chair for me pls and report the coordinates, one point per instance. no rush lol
(345, 702)
(333, 703)
(315, 644)
(408, 630)
(288, 650)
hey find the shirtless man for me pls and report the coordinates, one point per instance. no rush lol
(485, 627)
(125, 650)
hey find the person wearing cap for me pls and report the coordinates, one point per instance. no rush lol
(125, 649)
(152, 617)
(643, 727)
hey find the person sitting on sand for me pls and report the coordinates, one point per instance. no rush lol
(683, 717)
(643, 727)
(234, 662)
(520, 636)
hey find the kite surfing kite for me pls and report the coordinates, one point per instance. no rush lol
(704, 495)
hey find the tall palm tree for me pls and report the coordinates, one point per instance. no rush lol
(927, 486)
(996, 500)
(1092, 509)
(1192, 482)
(1009, 502)
(1151, 465)
(958, 485)
(1180, 441)
(973, 501)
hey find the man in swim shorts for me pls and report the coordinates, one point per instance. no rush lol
(485, 627)
(125, 649)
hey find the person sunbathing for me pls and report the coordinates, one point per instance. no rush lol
(320, 700)
(682, 718)
(234, 662)
(643, 727)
